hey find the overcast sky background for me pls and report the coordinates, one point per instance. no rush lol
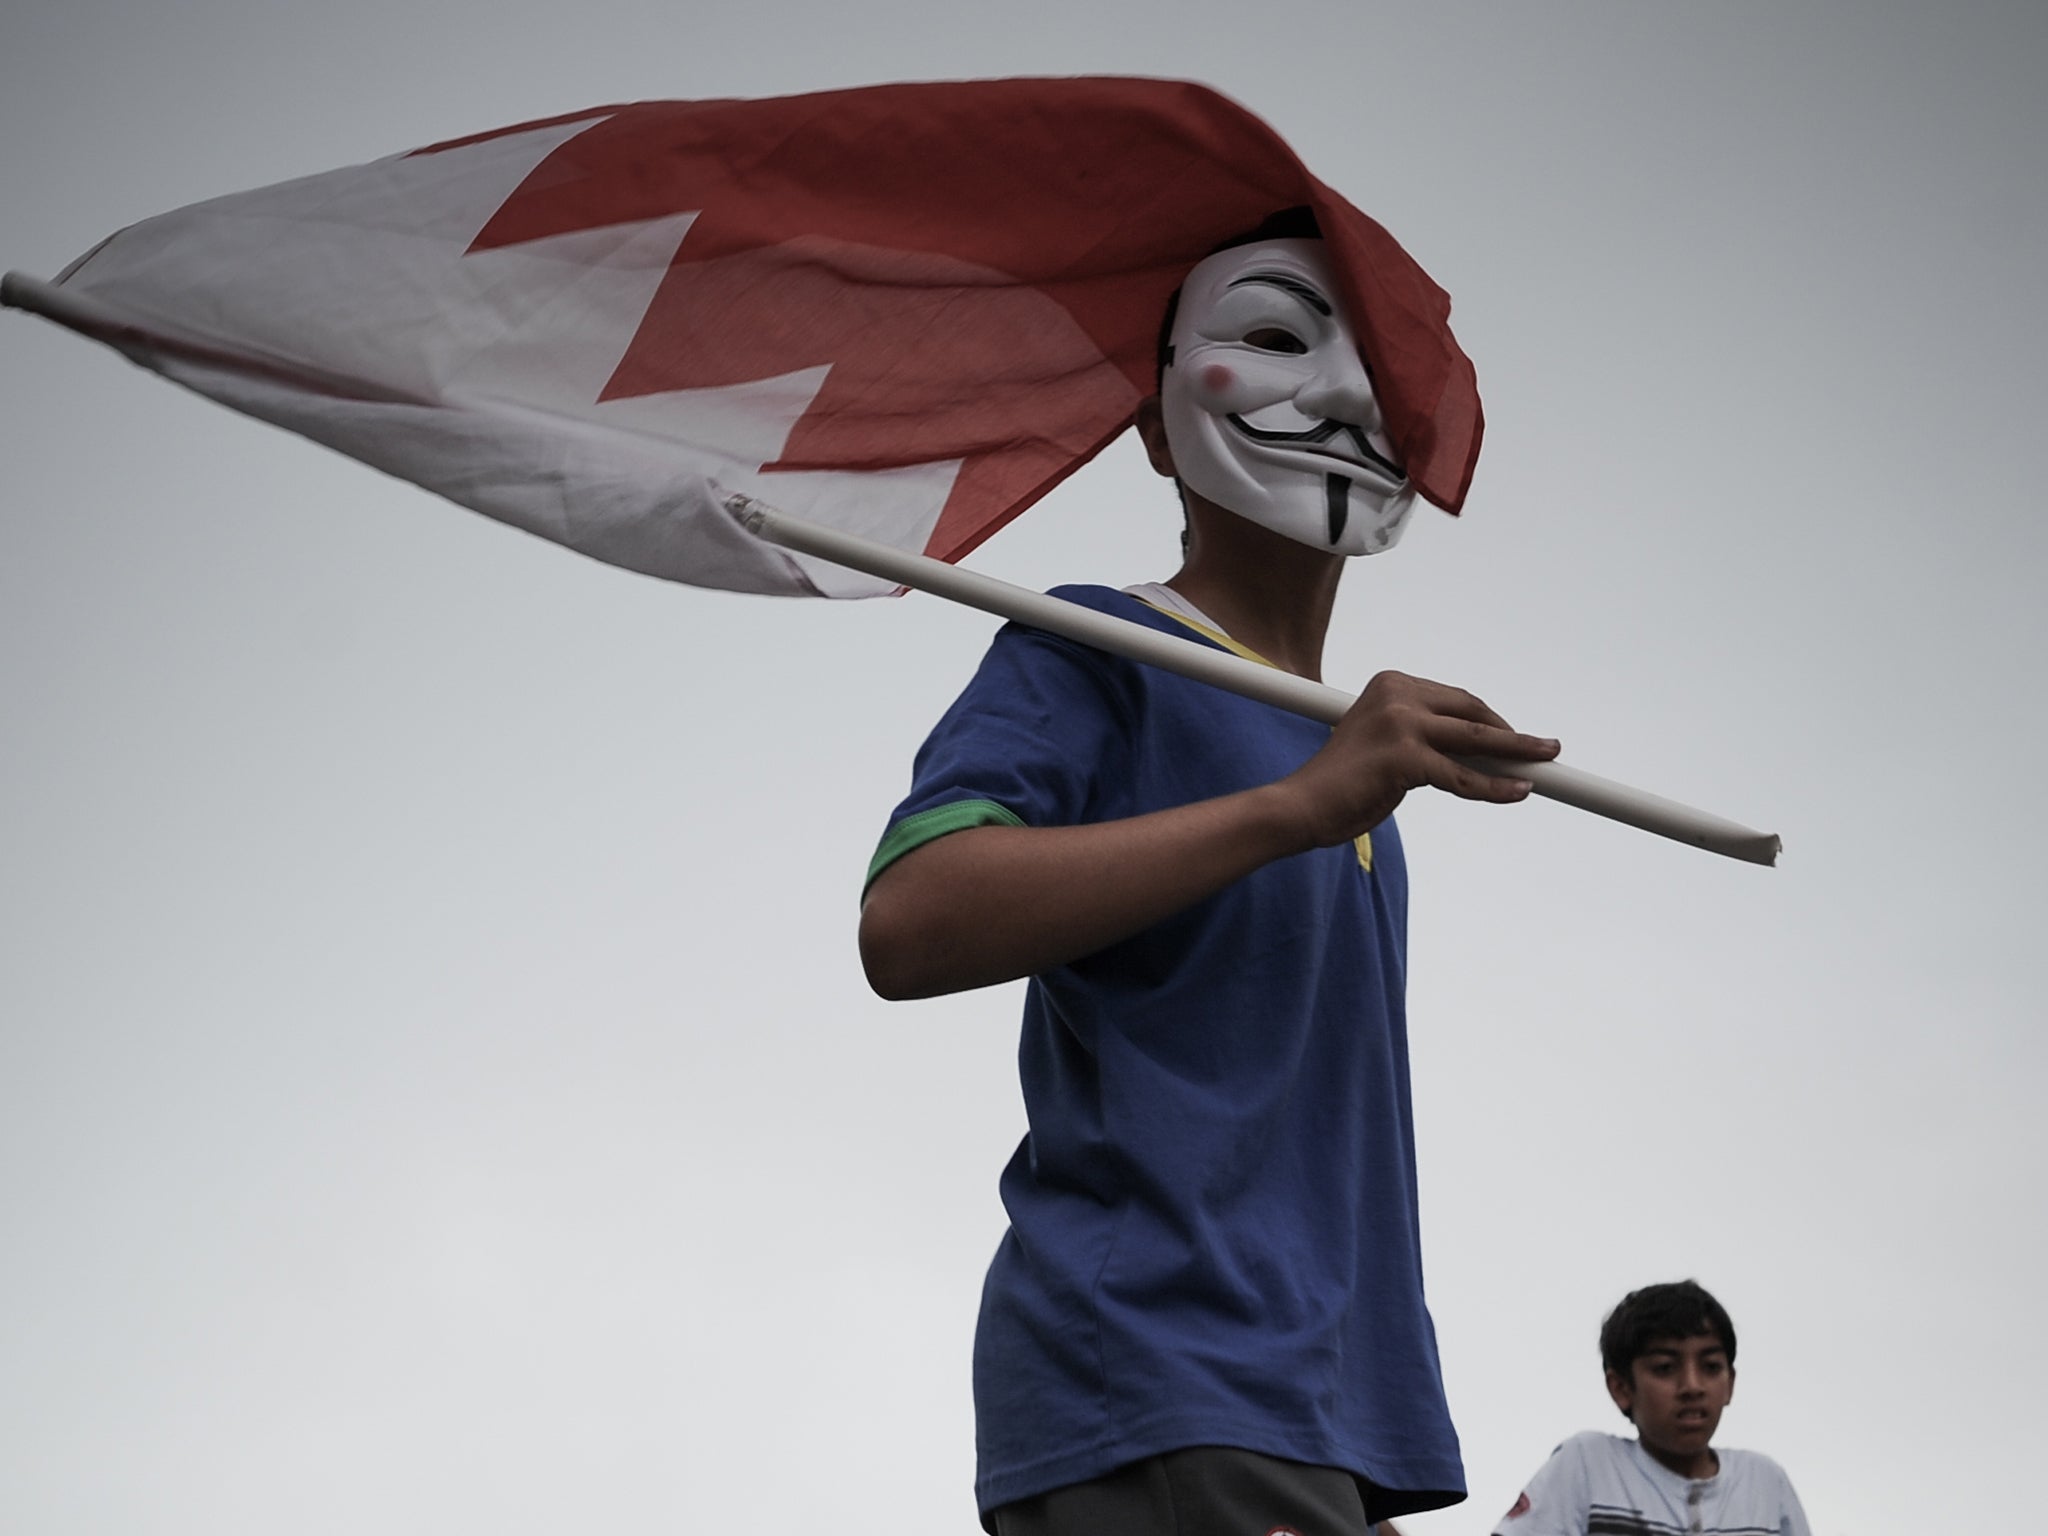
(437, 1088)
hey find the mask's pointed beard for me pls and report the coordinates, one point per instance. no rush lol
(1337, 496)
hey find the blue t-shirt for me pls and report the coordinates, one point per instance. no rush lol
(1213, 1235)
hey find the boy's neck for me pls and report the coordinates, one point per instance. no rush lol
(1269, 593)
(1698, 1467)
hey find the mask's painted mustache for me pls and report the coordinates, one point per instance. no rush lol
(1320, 434)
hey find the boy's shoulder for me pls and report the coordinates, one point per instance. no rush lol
(1096, 598)
(1112, 600)
(1750, 1465)
(1592, 1444)
(1129, 604)
(1091, 594)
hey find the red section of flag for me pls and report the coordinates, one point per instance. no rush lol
(983, 266)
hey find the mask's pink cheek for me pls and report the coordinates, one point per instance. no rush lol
(1216, 378)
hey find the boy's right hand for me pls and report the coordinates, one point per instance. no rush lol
(1403, 733)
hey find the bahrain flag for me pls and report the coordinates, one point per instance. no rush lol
(906, 311)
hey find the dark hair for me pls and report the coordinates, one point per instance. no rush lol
(1680, 1310)
(1296, 223)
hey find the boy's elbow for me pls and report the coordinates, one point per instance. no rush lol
(891, 952)
(925, 923)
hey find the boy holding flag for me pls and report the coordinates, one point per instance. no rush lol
(1208, 1313)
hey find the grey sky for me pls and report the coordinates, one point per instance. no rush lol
(436, 1085)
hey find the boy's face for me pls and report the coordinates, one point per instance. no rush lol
(1675, 1391)
(1267, 407)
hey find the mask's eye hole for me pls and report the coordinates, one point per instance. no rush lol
(1271, 338)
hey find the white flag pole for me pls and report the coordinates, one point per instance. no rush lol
(1553, 780)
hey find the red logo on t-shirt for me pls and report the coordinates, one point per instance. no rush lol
(1521, 1508)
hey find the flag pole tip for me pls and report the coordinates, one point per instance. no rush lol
(1758, 848)
(15, 288)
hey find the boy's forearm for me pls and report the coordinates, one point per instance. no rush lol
(994, 903)
(991, 904)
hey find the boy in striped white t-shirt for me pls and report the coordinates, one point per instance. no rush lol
(1669, 1352)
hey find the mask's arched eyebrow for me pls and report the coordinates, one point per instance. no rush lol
(1286, 284)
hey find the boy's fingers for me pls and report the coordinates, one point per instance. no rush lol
(1470, 783)
(1479, 762)
(1472, 708)
(1470, 738)
(1445, 699)
(1447, 738)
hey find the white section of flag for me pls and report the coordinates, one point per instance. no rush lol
(345, 307)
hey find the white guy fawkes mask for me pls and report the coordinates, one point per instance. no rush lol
(1268, 408)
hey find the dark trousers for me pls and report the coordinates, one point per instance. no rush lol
(1203, 1491)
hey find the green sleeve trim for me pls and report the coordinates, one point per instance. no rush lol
(927, 826)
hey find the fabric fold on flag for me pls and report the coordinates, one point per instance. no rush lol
(905, 311)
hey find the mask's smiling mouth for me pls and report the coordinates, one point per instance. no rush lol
(1352, 445)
